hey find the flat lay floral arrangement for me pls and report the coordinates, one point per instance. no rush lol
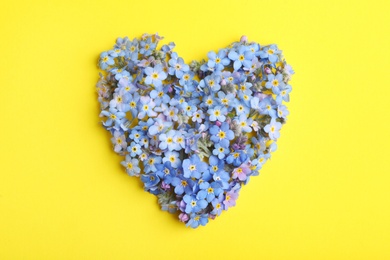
(194, 133)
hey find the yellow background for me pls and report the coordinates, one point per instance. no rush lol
(324, 195)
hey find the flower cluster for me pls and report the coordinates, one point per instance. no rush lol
(194, 133)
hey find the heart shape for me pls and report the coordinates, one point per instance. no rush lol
(194, 133)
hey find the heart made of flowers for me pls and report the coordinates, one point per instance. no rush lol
(194, 133)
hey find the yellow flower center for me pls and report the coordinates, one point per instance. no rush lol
(221, 134)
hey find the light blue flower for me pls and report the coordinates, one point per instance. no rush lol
(173, 157)
(193, 167)
(267, 107)
(113, 116)
(241, 108)
(273, 129)
(147, 46)
(146, 107)
(177, 66)
(119, 141)
(159, 126)
(217, 113)
(220, 151)
(237, 158)
(270, 52)
(167, 141)
(152, 161)
(198, 116)
(131, 165)
(283, 95)
(217, 205)
(196, 220)
(182, 185)
(165, 172)
(105, 60)
(193, 204)
(216, 62)
(221, 134)
(155, 75)
(282, 111)
(209, 191)
(239, 56)
(275, 82)
(134, 149)
(244, 123)
(150, 180)
(159, 96)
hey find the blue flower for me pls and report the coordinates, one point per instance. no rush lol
(220, 151)
(217, 113)
(221, 134)
(150, 180)
(159, 95)
(238, 58)
(270, 52)
(136, 135)
(282, 111)
(119, 141)
(211, 81)
(241, 108)
(198, 116)
(159, 126)
(237, 158)
(167, 141)
(217, 205)
(283, 95)
(146, 108)
(196, 220)
(210, 191)
(194, 167)
(105, 60)
(134, 149)
(222, 177)
(182, 185)
(193, 204)
(132, 104)
(177, 66)
(258, 144)
(155, 75)
(131, 165)
(244, 123)
(172, 157)
(166, 172)
(113, 116)
(226, 100)
(147, 46)
(151, 164)
(273, 129)
(216, 62)
(275, 82)
(186, 78)
(215, 165)
(267, 107)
